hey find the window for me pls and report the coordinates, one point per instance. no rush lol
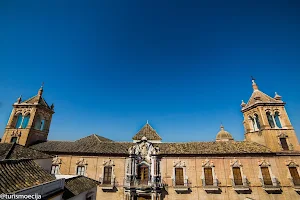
(80, 170)
(208, 177)
(237, 176)
(107, 175)
(19, 121)
(143, 173)
(266, 176)
(25, 121)
(42, 125)
(270, 120)
(13, 140)
(54, 169)
(179, 180)
(253, 124)
(284, 144)
(257, 121)
(277, 120)
(295, 176)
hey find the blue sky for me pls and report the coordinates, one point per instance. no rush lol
(108, 66)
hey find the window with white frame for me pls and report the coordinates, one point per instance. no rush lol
(54, 169)
(293, 168)
(108, 176)
(265, 174)
(237, 176)
(81, 167)
(56, 162)
(209, 177)
(179, 174)
(80, 170)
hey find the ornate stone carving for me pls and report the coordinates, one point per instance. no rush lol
(179, 164)
(81, 162)
(143, 150)
(291, 163)
(235, 163)
(207, 163)
(263, 163)
(56, 161)
(108, 163)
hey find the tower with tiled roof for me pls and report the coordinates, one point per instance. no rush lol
(266, 122)
(29, 121)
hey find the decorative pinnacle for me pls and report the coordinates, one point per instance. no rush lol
(222, 127)
(243, 103)
(19, 99)
(254, 86)
(40, 92)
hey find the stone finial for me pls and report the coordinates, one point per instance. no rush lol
(19, 99)
(40, 92)
(243, 104)
(52, 107)
(254, 86)
(277, 96)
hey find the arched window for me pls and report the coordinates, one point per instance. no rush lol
(25, 121)
(253, 123)
(19, 121)
(277, 120)
(270, 119)
(257, 121)
(42, 124)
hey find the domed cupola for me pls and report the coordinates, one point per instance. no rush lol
(223, 135)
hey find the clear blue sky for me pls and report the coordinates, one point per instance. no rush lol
(108, 66)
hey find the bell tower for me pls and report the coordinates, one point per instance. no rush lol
(266, 122)
(29, 121)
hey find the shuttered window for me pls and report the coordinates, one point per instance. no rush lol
(284, 144)
(143, 174)
(237, 176)
(295, 175)
(266, 176)
(179, 179)
(107, 175)
(208, 176)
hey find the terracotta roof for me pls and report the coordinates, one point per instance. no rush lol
(94, 137)
(36, 99)
(77, 185)
(229, 147)
(20, 174)
(260, 97)
(148, 132)
(15, 151)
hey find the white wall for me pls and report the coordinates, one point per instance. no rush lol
(45, 163)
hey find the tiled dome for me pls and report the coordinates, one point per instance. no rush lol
(223, 135)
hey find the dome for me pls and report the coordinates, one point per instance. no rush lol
(223, 135)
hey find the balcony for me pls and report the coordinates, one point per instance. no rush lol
(271, 187)
(295, 184)
(211, 188)
(181, 187)
(131, 182)
(241, 188)
(107, 185)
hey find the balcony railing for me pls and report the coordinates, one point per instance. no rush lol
(131, 182)
(107, 185)
(241, 187)
(275, 186)
(211, 188)
(180, 185)
(295, 184)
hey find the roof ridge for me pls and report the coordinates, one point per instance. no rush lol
(96, 137)
(10, 150)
